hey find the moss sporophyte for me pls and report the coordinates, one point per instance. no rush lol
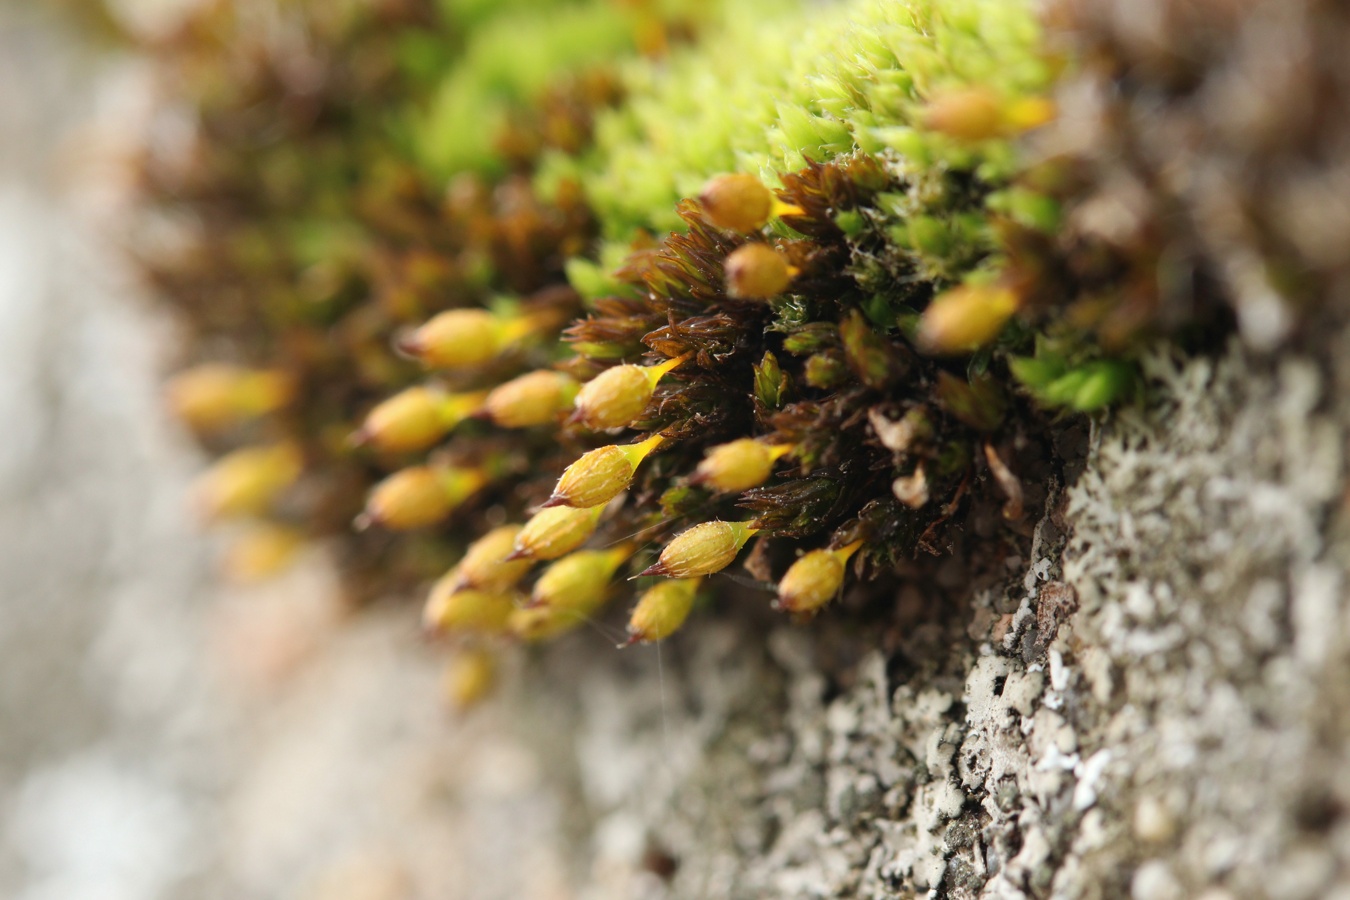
(621, 288)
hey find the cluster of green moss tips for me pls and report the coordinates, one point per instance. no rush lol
(619, 288)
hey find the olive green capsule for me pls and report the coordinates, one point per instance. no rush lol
(415, 419)
(469, 677)
(542, 623)
(965, 318)
(617, 396)
(535, 398)
(601, 474)
(702, 550)
(756, 271)
(464, 338)
(738, 465)
(487, 564)
(555, 532)
(662, 610)
(247, 481)
(579, 582)
(454, 611)
(814, 580)
(419, 496)
(738, 202)
(217, 396)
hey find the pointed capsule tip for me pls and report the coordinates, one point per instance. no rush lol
(658, 569)
(518, 553)
(554, 500)
(409, 344)
(364, 521)
(658, 371)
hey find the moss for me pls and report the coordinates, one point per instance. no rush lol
(777, 84)
(511, 54)
(318, 234)
(927, 306)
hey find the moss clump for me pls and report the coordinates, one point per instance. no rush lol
(312, 232)
(874, 364)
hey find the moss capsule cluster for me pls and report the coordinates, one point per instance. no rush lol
(575, 291)
(361, 277)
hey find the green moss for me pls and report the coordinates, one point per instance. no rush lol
(513, 52)
(778, 83)
(939, 308)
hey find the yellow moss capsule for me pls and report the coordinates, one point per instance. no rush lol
(485, 564)
(579, 582)
(216, 396)
(814, 580)
(264, 550)
(702, 550)
(541, 623)
(1029, 112)
(410, 498)
(601, 475)
(415, 419)
(448, 610)
(965, 318)
(662, 610)
(407, 421)
(617, 396)
(536, 398)
(738, 465)
(419, 496)
(464, 338)
(469, 678)
(967, 114)
(756, 271)
(555, 532)
(457, 338)
(247, 481)
(738, 202)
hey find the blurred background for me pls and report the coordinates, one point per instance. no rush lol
(163, 735)
(105, 581)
